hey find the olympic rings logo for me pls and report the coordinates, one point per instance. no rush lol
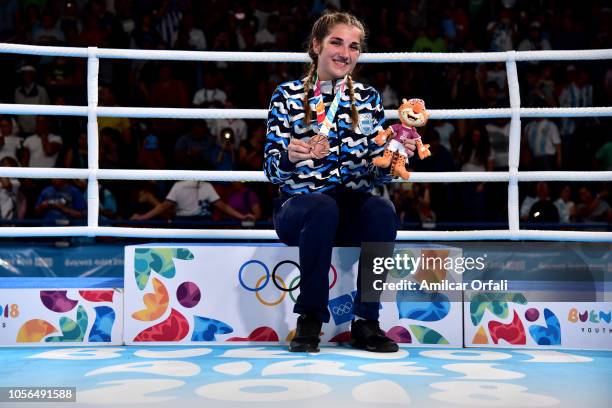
(280, 284)
(343, 309)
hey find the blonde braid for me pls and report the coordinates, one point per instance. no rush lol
(354, 114)
(307, 87)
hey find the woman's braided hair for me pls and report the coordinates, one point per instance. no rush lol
(320, 30)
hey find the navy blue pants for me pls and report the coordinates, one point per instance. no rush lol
(316, 223)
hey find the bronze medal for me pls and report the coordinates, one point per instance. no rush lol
(319, 146)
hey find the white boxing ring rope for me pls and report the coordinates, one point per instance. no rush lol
(93, 173)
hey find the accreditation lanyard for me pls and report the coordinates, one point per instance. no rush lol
(325, 120)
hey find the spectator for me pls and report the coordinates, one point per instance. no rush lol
(430, 40)
(246, 28)
(109, 149)
(502, 33)
(125, 19)
(543, 138)
(426, 214)
(10, 20)
(547, 87)
(570, 33)
(223, 41)
(538, 207)
(191, 201)
(496, 73)
(150, 156)
(77, 155)
(9, 192)
(223, 155)
(475, 155)
(534, 96)
(565, 205)
(415, 204)
(499, 135)
(535, 41)
(250, 154)
(10, 145)
(446, 133)
(265, 39)
(60, 202)
(577, 92)
(209, 93)
(593, 209)
(169, 16)
(142, 198)
(68, 127)
(465, 90)
(31, 21)
(41, 149)
(189, 37)
(414, 18)
(172, 93)
(405, 35)
(145, 35)
(387, 93)
(29, 93)
(242, 199)
(48, 33)
(121, 125)
(491, 95)
(70, 19)
(238, 127)
(441, 158)
(476, 152)
(108, 204)
(94, 34)
(403, 197)
(192, 150)
(65, 76)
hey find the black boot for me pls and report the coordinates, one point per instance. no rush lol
(307, 333)
(367, 335)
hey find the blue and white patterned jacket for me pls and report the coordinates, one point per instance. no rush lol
(349, 162)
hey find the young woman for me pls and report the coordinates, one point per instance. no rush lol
(319, 149)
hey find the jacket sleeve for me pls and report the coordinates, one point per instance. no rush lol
(277, 166)
(379, 176)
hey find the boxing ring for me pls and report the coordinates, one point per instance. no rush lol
(264, 374)
(93, 173)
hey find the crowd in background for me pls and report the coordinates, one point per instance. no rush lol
(582, 144)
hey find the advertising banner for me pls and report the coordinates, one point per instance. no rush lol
(193, 293)
(510, 320)
(47, 261)
(557, 295)
(48, 317)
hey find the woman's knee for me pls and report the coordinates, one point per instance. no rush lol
(379, 213)
(306, 213)
(378, 209)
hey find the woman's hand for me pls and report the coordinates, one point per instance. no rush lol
(298, 150)
(410, 145)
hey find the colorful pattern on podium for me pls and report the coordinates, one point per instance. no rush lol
(200, 293)
(510, 320)
(70, 316)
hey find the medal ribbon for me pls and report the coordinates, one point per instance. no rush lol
(325, 120)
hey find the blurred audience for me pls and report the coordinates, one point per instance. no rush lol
(42, 148)
(60, 202)
(569, 143)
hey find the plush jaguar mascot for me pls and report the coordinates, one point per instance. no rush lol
(412, 114)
